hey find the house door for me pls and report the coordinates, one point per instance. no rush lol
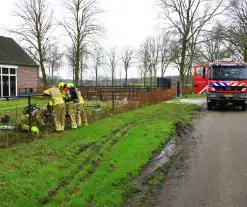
(5, 86)
(12, 86)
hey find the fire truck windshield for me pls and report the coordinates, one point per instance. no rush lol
(228, 73)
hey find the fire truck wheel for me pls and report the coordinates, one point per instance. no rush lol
(209, 106)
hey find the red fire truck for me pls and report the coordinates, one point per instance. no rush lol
(223, 82)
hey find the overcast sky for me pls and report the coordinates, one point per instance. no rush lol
(127, 22)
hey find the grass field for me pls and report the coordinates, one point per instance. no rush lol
(91, 166)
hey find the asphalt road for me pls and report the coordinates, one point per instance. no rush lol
(214, 172)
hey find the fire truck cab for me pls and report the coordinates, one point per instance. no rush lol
(223, 82)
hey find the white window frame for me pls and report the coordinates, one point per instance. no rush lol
(9, 75)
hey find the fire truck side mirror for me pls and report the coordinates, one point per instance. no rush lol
(204, 73)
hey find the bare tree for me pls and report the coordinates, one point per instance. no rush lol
(192, 56)
(82, 27)
(71, 57)
(98, 61)
(54, 60)
(214, 46)
(127, 57)
(235, 31)
(165, 52)
(112, 64)
(83, 66)
(35, 30)
(153, 56)
(143, 73)
(143, 56)
(187, 21)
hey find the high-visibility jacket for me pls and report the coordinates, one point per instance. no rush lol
(81, 100)
(69, 93)
(66, 95)
(39, 115)
(37, 120)
(56, 96)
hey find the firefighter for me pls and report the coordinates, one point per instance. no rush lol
(81, 116)
(37, 119)
(49, 119)
(58, 108)
(70, 103)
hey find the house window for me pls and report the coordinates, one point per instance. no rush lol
(12, 71)
(8, 81)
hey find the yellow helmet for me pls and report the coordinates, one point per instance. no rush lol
(61, 85)
(46, 92)
(70, 85)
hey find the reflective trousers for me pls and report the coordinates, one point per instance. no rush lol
(71, 110)
(81, 116)
(59, 111)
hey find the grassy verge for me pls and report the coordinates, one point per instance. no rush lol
(91, 166)
(194, 96)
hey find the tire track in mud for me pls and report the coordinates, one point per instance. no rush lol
(105, 143)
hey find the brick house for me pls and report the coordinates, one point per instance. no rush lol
(17, 69)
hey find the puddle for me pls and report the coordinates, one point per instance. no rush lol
(163, 158)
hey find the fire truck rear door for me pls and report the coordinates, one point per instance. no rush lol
(200, 81)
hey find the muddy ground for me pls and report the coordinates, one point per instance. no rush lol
(211, 169)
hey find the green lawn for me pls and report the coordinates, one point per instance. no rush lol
(91, 166)
(19, 102)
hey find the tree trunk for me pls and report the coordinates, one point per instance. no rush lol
(73, 71)
(182, 78)
(43, 71)
(81, 77)
(52, 72)
(41, 61)
(77, 65)
(96, 74)
(112, 79)
(151, 77)
(126, 77)
(155, 75)
(182, 63)
(76, 77)
(245, 52)
(43, 74)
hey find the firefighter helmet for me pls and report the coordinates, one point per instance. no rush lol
(61, 85)
(70, 85)
(32, 107)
